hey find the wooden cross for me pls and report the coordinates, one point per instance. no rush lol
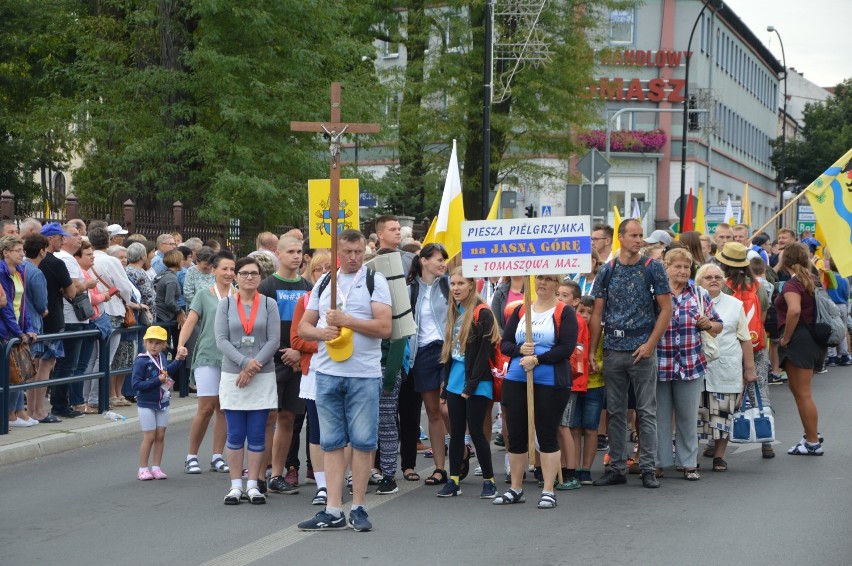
(334, 130)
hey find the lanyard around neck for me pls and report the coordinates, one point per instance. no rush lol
(345, 299)
(156, 361)
(248, 325)
(219, 295)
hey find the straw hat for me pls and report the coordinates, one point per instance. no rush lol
(734, 254)
(340, 349)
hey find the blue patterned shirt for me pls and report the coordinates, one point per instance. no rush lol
(629, 301)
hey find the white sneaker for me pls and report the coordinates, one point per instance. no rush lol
(19, 423)
(375, 476)
(32, 421)
(478, 471)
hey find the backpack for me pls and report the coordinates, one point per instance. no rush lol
(751, 306)
(414, 290)
(497, 361)
(829, 328)
(646, 273)
(371, 283)
(771, 322)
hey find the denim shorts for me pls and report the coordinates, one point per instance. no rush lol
(587, 409)
(348, 411)
(51, 350)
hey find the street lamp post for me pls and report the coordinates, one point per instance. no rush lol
(686, 112)
(782, 174)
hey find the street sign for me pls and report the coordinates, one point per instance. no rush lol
(802, 226)
(366, 199)
(546, 211)
(578, 200)
(593, 165)
(527, 246)
(694, 205)
(806, 214)
(508, 199)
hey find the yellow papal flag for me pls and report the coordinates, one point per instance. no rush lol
(745, 214)
(615, 224)
(700, 223)
(319, 213)
(495, 206)
(451, 214)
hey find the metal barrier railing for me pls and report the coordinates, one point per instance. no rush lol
(103, 374)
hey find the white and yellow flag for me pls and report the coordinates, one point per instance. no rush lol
(730, 217)
(451, 214)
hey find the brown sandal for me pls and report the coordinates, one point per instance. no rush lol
(719, 465)
(438, 477)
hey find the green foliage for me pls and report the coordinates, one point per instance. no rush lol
(192, 100)
(33, 53)
(442, 96)
(825, 135)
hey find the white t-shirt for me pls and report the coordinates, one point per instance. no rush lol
(77, 275)
(353, 295)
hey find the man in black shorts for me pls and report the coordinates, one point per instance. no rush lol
(287, 287)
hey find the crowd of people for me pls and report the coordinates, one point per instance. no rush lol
(616, 355)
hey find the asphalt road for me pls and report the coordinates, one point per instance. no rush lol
(86, 507)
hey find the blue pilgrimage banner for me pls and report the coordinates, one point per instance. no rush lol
(527, 246)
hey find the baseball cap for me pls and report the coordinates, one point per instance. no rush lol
(812, 243)
(659, 237)
(53, 229)
(116, 230)
(340, 349)
(156, 333)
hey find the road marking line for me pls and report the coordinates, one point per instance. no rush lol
(280, 540)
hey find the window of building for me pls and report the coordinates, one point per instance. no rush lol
(389, 50)
(621, 26)
(456, 33)
(625, 121)
(391, 108)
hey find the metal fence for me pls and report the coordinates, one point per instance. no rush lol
(103, 374)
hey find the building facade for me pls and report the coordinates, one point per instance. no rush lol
(732, 76)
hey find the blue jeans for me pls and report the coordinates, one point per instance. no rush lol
(587, 411)
(619, 372)
(65, 367)
(348, 411)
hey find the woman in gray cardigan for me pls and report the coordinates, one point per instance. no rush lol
(247, 332)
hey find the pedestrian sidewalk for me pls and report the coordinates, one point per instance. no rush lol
(42, 439)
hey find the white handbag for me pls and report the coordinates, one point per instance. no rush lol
(754, 425)
(708, 342)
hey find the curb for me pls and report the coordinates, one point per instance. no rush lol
(87, 436)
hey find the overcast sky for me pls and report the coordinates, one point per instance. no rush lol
(816, 34)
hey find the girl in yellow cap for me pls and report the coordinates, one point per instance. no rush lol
(152, 381)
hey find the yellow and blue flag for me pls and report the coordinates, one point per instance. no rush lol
(830, 196)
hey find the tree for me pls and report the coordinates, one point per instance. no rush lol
(192, 100)
(441, 87)
(825, 135)
(33, 52)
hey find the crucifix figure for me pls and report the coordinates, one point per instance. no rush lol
(334, 130)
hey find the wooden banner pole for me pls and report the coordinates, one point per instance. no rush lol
(779, 213)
